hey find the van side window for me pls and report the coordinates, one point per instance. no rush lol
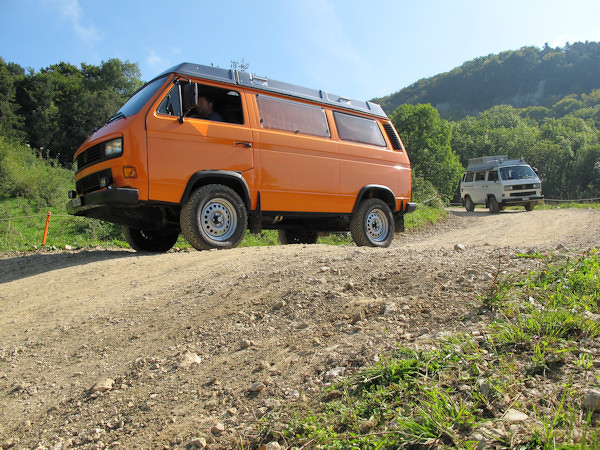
(358, 129)
(469, 177)
(287, 115)
(480, 176)
(225, 102)
(493, 175)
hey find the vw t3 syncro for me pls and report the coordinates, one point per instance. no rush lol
(210, 152)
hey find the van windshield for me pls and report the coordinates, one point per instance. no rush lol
(138, 100)
(517, 173)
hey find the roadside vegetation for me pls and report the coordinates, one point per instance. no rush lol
(525, 381)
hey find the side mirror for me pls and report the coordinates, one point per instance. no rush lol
(189, 97)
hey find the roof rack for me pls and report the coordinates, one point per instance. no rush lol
(236, 77)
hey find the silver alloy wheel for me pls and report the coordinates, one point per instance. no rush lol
(218, 219)
(377, 225)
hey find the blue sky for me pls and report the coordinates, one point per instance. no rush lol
(355, 48)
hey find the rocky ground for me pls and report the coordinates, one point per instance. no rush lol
(117, 349)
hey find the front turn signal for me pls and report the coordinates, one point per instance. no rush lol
(129, 172)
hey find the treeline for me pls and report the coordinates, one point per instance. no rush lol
(54, 110)
(527, 77)
(57, 108)
(565, 150)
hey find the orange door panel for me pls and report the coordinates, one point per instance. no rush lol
(178, 150)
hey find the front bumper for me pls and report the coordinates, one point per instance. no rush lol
(106, 199)
(523, 200)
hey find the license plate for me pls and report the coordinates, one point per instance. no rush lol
(76, 201)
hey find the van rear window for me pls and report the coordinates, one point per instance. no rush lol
(287, 115)
(358, 129)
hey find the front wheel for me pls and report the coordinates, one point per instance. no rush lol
(493, 205)
(529, 206)
(158, 241)
(372, 224)
(214, 217)
(469, 205)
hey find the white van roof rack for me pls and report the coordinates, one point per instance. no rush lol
(237, 77)
(488, 162)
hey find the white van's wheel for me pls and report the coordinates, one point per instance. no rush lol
(372, 224)
(529, 206)
(469, 205)
(493, 205)
(214, 217)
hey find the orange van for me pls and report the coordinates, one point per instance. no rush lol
(210, 152)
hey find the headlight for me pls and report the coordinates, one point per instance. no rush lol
(508, 188)
(537, 185)
(113, 148)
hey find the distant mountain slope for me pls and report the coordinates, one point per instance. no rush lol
(527, 77)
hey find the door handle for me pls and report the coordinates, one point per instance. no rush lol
(244, 144)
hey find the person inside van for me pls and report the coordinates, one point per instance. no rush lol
(204, 109)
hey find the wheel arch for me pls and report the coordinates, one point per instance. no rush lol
(376, 191)
(234, 180)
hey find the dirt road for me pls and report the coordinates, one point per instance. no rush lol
(112, 348)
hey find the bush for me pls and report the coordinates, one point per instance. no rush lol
(24, 173)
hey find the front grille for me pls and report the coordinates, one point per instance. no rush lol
(92, 182)
(91, 156)
(522, 194)
(522, 187)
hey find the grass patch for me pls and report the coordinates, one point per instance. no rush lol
(534, 358)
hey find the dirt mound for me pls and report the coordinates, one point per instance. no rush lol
(122, 349)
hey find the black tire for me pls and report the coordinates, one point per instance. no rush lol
(469, 205)
(214, 217)
(493, 205)
(157, 241)
(297, 236)
(372, 224)
(529, 206)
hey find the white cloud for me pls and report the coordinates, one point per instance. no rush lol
(72, 12)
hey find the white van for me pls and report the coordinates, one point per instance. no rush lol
(498, 182)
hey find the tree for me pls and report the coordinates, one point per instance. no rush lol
(10, 122)
(427, 139)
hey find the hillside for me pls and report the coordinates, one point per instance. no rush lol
(527, 77)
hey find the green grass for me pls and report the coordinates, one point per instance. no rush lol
(453, 394)
(22, 225)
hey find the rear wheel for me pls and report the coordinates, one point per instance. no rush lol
(372, 224)
(158, 241)
(214, 217)
(297, 236)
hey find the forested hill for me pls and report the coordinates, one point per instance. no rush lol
(527, 77)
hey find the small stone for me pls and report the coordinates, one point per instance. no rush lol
(460, 247)
(280, 304)
(273, 446)
(257, 387)
(103, 385)
(512, 415)
(591, 400)
(245, 344)
(189, 359)
(198, 442)
(217, 429)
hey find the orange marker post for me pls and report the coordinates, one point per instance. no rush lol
(46, 228)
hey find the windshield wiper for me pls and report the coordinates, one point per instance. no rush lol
(117, 116)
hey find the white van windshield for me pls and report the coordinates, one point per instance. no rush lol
(517, 173)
